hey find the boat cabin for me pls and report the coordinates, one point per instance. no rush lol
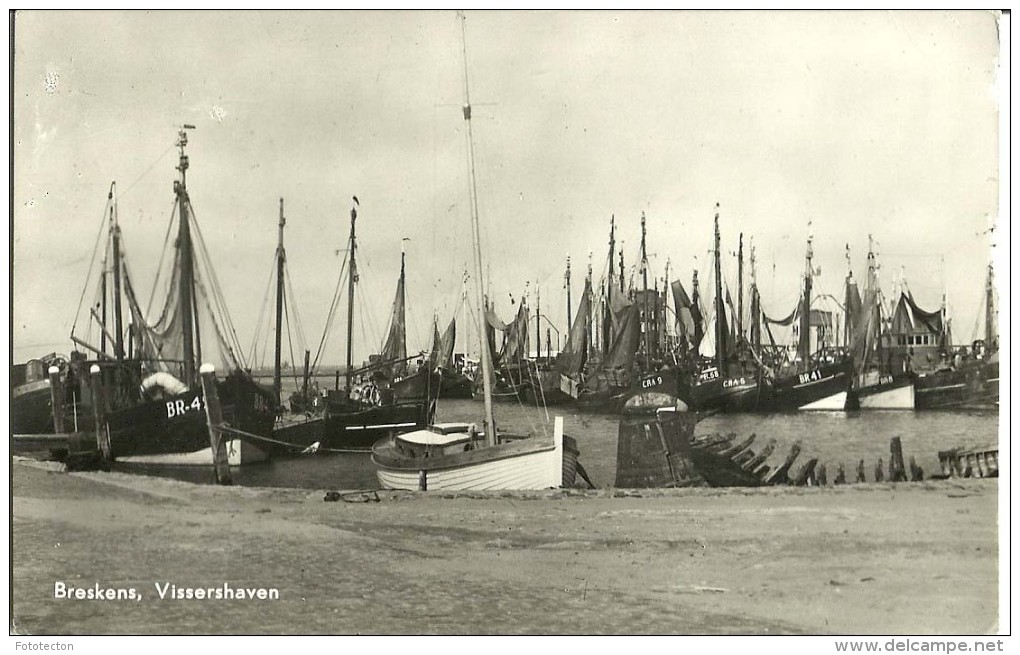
(438, 439)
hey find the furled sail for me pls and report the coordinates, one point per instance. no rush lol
(444, 353)
(492, 323)
(515, 345)
(161, 342)
(572, 360)
(684, 315)
(434, 354)
(625, 340)
(698, 315)
(865, 331)
(395, 348)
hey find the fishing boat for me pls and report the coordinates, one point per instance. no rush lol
(31, 408)
(965, 378)
(356, 416)
(876, 383)
(818, 378)
(460, 456)
(153, 402)
(453, 383)
(731, 381)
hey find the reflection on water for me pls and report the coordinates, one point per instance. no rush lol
(832, 437)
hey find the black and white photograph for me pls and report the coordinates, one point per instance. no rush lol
(495, 322)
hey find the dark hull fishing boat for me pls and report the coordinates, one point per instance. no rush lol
(820, 387)
(31, 408)
(815, 381)
(968, 380)
(459, 457)
(731, 380)
(163, 419)
(973, 385)
(355, 417)
(455, 385)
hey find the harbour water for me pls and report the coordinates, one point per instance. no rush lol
(832, 437)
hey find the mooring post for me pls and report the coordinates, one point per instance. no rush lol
(897, 471)
(916, 472)
(214, 417)
(99, 413)
(56, 400)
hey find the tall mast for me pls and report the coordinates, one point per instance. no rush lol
(877, 308)
(740, 286)
(566, 283)
(104, 293)
(622, 276)
(538, 322)
(187, 280)
(720, 312)
(696, 303)
(990, 312)
(664, 329)
(490, 423)
(352, 278)
(804, 345)
(646, 333)
(593, 335)
(607, 319)
(755, 305)
(117, 314)
(846, 299)
(280, 259)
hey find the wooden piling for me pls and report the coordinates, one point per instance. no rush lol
(214, 417)
(916, 472)
(860, 471)
(806, 475)
(780, 475)
(897, 471)
(56, 400)
(99, 414)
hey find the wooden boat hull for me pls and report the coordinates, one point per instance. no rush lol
(969, 463)
(456, 386)
(739, 393)
(881, 392)
(547, 391)
(655, 451)
(31, 410)
(239, 452)
(358, 427)
(519, 464)
(972, 386)
(420, 385)
(823, 388)
(722, 464)
(177, 424)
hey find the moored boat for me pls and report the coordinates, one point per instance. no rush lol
(152, 402)
(460, 457)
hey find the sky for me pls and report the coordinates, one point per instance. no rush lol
(837, 125)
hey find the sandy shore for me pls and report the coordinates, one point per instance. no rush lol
(916, 558)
